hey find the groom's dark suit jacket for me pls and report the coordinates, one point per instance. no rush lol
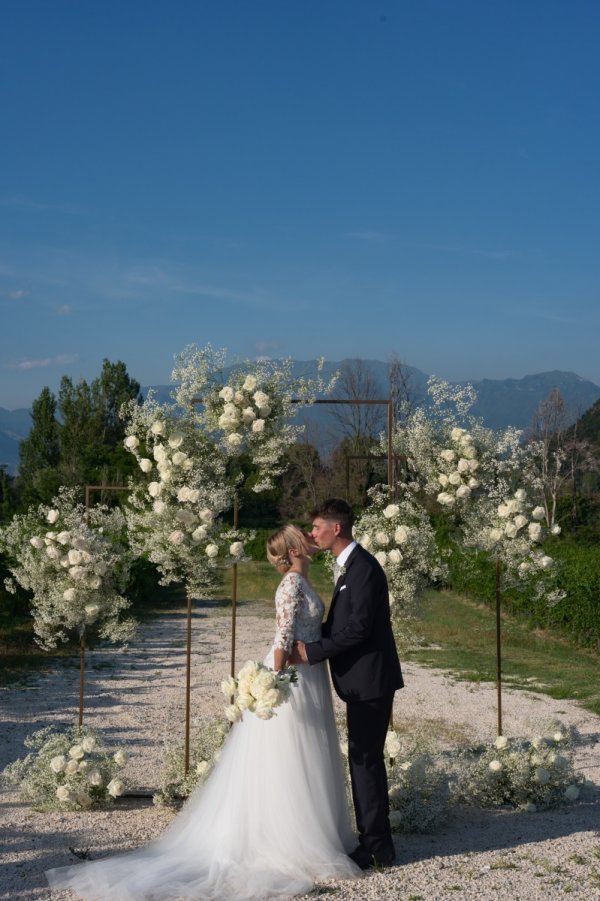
(357, 635)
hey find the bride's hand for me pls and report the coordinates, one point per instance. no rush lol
(298, 654)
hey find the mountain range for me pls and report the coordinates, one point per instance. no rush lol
(500, 402)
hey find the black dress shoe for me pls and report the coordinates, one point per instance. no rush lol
(367, 861)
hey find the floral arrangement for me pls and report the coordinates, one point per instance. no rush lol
(75, 563)
(257, 689)
(458, 468)
(70, 770)
(204, 752)
(252, 413)
(401, 537)
(529, 775)
(175, 504)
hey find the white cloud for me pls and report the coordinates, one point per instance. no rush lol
(64, 310)
(18, 295)
(60, 360)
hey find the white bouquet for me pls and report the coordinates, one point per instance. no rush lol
(258, 689)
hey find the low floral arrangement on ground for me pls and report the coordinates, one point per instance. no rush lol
(205, 750)
(258, 689)
(67, 770)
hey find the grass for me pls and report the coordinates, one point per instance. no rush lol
(460, 636)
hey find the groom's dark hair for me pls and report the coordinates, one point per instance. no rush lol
(336, 510)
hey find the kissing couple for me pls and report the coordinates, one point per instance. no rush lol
(272, 819)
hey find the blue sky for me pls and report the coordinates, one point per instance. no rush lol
(318, 177)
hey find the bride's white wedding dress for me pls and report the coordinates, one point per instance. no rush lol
(272, 818)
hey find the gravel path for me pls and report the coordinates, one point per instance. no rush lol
(136, 698)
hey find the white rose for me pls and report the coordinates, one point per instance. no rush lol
(535, 531)
(154, 489)
(76, 752)
(131, 442)
(239, 398)
(202, 768)
(248, 415)
(455, 478)
(395, 556)
(115, 788)
(187, 465)
(233, 713)
(177, 537)
(473, 484)
(226, 393)
(456, 434)
(571, 793)
(63, 537)
(37, 542)
(164, 471)
(199, 534)
(120, 758)
(463, 465)
(235, 439)
(77, 573)
(520, 521)
(228, 686)
(495, 766)
(226, 422)
(510, 530)
(183, 494)
(514, 506)
(392, 745)
(74, 557)
(469, 452)
(463, 492)
(236, 549)
(176, 439)
(71, 767)
(381, 557)
(53, 552)
(465, 438)
(258, 425)
(538, 513)
(260, 398)
(69, 594)
(194, 495)
(88, 744)
(365, 540)
(559, 736)
(391, 511)
(447, 500)
(63, 793)
(496, 535)
(94, 777)
(206, 516)
(83, 766)
(91, 612)
(401, 535)
(382, 538)
(524, 567)
(145, 464)
(556, 529)
(443, 479)
(212, 550)
(250, 383)
(542, 775)
(158, 427)
(179, 457)
(473, 465)
(546, 562)
(52, 516)
(159, 507)
(501, 742)
(58, 763)
(159, 453)
(186, 517)
(521, 495)
(448, 455)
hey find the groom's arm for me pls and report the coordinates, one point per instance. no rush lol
(365, 587)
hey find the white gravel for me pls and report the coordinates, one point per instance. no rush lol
(136, 698)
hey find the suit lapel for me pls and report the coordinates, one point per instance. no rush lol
(342, 579)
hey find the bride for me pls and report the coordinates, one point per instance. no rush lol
(272, 819)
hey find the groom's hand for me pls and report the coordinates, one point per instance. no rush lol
(298, 654)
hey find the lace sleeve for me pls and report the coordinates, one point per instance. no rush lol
(287, 601)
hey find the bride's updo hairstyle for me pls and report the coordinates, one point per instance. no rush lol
(281, 542)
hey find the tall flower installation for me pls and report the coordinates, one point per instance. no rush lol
(400, 535)
(76, 565)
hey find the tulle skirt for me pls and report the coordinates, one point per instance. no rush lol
(271, 820)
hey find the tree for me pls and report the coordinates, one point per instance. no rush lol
(39, 453)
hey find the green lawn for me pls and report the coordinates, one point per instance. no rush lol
(460, 636)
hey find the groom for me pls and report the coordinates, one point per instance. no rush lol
(359, 643)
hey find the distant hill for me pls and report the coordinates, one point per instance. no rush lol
(588, 426)
(500, 402)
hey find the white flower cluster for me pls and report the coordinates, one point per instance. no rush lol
(401, 538)
(174, 507)
(75, 570)
(252, 412)
(205, 745)
(257, 689)
(527, 774)
(458, 468)
(69, 771)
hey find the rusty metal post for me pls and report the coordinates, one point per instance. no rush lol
(188, 682)
(498, 648)
(234, 582)
(81, 676)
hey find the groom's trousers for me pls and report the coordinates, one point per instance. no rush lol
(367, 728)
